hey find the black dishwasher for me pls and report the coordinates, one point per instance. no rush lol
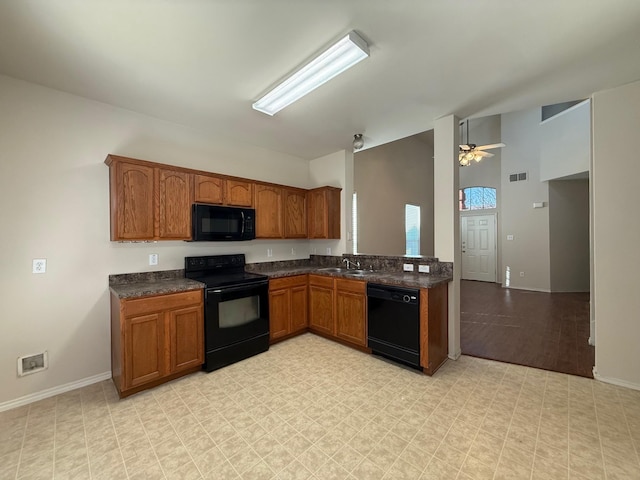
(394, 322)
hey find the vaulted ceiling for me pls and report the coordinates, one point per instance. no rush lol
(201, 63)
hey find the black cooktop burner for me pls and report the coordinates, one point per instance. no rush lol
(220, 270)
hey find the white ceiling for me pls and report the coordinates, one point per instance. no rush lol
(202, 63)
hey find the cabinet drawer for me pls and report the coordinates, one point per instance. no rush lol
(321, 281)
(287, 282)
(160, 302)
(355, 286)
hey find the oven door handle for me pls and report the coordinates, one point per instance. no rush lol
(246, 286)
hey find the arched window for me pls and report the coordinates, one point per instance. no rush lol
(477, 198)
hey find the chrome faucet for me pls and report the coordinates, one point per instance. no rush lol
(350, 264)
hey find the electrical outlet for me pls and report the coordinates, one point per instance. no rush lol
(509, 237)
(153, 259)
(328, 250)
(269, 252)
(522, 274)
(408, 267)
(39, 265)
(423, 268)
(293, 251)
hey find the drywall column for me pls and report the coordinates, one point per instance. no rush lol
(447, 216)
(615, 235)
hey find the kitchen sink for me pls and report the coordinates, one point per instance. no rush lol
(333, 270)
(355, 273)
(359, 273)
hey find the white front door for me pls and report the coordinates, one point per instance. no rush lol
(478, 238)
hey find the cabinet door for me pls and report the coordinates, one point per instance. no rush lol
(208, 189)
(132, 205)
(321, 296)
(299, 308)
(174, 195)
(351, 311)
(295, 214)
(268, 211)
(279, 313)
(144, 349)
(186, 338)
(324, 212)
(239, 193)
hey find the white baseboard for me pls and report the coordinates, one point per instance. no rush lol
(455, 355)
(615, 381)
(51, 392)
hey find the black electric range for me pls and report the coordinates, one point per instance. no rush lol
(236, 308)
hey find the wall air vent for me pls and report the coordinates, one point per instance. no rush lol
(517, 177)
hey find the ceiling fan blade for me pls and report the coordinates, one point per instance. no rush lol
(483, 154)
(465, 147)
(489, 147)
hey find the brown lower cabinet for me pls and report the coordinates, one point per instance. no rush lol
(287, 306)
(338, 308)
(434, 327)
(155, 339)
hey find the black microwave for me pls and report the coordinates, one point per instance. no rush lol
(211, 223)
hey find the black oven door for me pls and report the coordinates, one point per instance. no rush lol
(236, 314)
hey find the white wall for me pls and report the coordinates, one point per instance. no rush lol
(54, 204)
(447, 216)
(386, 178)
(616, 226)
(565, 142)
(569, 235)
(528, 252)
(335, 170)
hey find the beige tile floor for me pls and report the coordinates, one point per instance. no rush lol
(312, 409)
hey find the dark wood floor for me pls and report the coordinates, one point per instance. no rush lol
(542, 330)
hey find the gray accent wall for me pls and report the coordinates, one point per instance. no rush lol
(386, 178)
(569, 235)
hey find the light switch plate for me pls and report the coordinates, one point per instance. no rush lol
(509, 237)
(408, 267)
(423, 268)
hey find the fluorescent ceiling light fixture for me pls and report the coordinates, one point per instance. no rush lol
(336, 59)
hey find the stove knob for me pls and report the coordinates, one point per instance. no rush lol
(406, 298)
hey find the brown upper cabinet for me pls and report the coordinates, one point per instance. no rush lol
(295, 213)
(152, 201)
(148, 202)
(324, 212)
(268, 203)
(174, 205)
(222, 191)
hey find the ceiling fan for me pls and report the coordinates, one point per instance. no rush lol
(470, 151)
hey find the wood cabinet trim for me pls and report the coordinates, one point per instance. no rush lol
(287, 282)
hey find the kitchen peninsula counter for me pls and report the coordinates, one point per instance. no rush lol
(401, 279)
(377, 269)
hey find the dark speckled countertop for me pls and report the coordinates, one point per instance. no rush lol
(135, 285)
(385, 271)
(411, 280)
